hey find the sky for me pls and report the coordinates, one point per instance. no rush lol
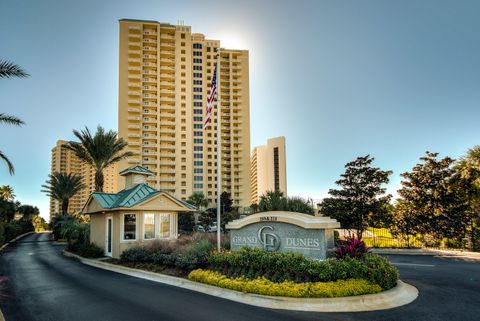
(339, 79)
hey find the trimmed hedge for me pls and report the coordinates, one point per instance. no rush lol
(262, 285)
(279, 267)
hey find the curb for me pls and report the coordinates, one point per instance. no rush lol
(1, 316)
(401, 294)
(13, 241)
(428, 252)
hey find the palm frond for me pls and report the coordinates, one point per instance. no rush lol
(8, 70)
(11, 169)
(9, 119)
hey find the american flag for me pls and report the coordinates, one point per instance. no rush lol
(210, 99)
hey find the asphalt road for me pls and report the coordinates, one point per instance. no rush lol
(38, 283)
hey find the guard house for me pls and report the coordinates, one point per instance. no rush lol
(137, 214)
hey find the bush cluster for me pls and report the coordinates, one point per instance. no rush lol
(9, 231)
(90, 250)
(264, 286)
(186, 253)
(279, 267)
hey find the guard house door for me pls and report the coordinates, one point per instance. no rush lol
(108, 239)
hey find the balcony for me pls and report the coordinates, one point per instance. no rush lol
(167, 83)
(167, 147)
(167, 171)
(133, 84)
(133, 143)
(167, 123)
(167, 99)
(168, 107)
(134, 161)
(134, 93)
(130, 76)
(167, 179)
(134, 60)
(133, 135)
(134, 101)
(167, 91)
(167, 163)
(133, 110)
(150, 129)
(134, 52)
(167, 155)
(167, 138)
(166, 131)
(133, 126)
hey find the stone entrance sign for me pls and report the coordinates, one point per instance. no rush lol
(309, 235)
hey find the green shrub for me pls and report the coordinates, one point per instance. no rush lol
(9, 231)
(136, 254)
(278, 267)
(90, 251)
(195, 256)
(262, 285)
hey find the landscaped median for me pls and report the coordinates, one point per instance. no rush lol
(353, 281)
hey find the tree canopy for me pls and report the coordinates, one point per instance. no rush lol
(361, 199)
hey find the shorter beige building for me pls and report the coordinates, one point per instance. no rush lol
(137, 214)
(268, 168)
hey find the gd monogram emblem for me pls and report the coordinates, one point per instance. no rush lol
(270, 241)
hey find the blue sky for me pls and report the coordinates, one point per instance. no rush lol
(338, 79)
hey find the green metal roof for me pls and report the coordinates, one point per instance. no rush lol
(130, 197)
(136, 169)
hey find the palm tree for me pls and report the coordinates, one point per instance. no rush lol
(9, 70)
(99, 151)
(272, 201)
(6, 193)
(62, 187)
(198, 200)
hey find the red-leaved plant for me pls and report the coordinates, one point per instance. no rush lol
(351, 247)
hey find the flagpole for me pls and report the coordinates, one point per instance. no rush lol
(219, 161)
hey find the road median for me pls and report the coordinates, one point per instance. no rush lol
(400, 295)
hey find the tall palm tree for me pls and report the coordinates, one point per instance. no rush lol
(62, 187)
(272, 201)
(6, 193)
(99, 151)
(9, 70)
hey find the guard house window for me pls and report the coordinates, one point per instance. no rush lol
(164, 226)
(129, 227)
(149, 226)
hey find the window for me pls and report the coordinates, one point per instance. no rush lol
(197, 46)
(198, 141)
(197, 126)
(198, 178)
(197, 60)
(164, 225)
(197, 82)
(197, 133)
(198, 170)
(197, 53)
(148, 226)
(196, 118)
(197, 89)
(197, 155)
(197, 97)
(197, 75)
(129, 227)
(197, 104)
(182, 35)
(198, 148)
(197, 163)
(196, 67)
(197, 186)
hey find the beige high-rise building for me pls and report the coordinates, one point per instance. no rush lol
(268, 168)
(65, 161)
(165, 74)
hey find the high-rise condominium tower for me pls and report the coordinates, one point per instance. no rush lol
(65, 161)
(268, 168)
(165, 76)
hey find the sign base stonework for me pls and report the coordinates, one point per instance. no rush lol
(281, 231)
